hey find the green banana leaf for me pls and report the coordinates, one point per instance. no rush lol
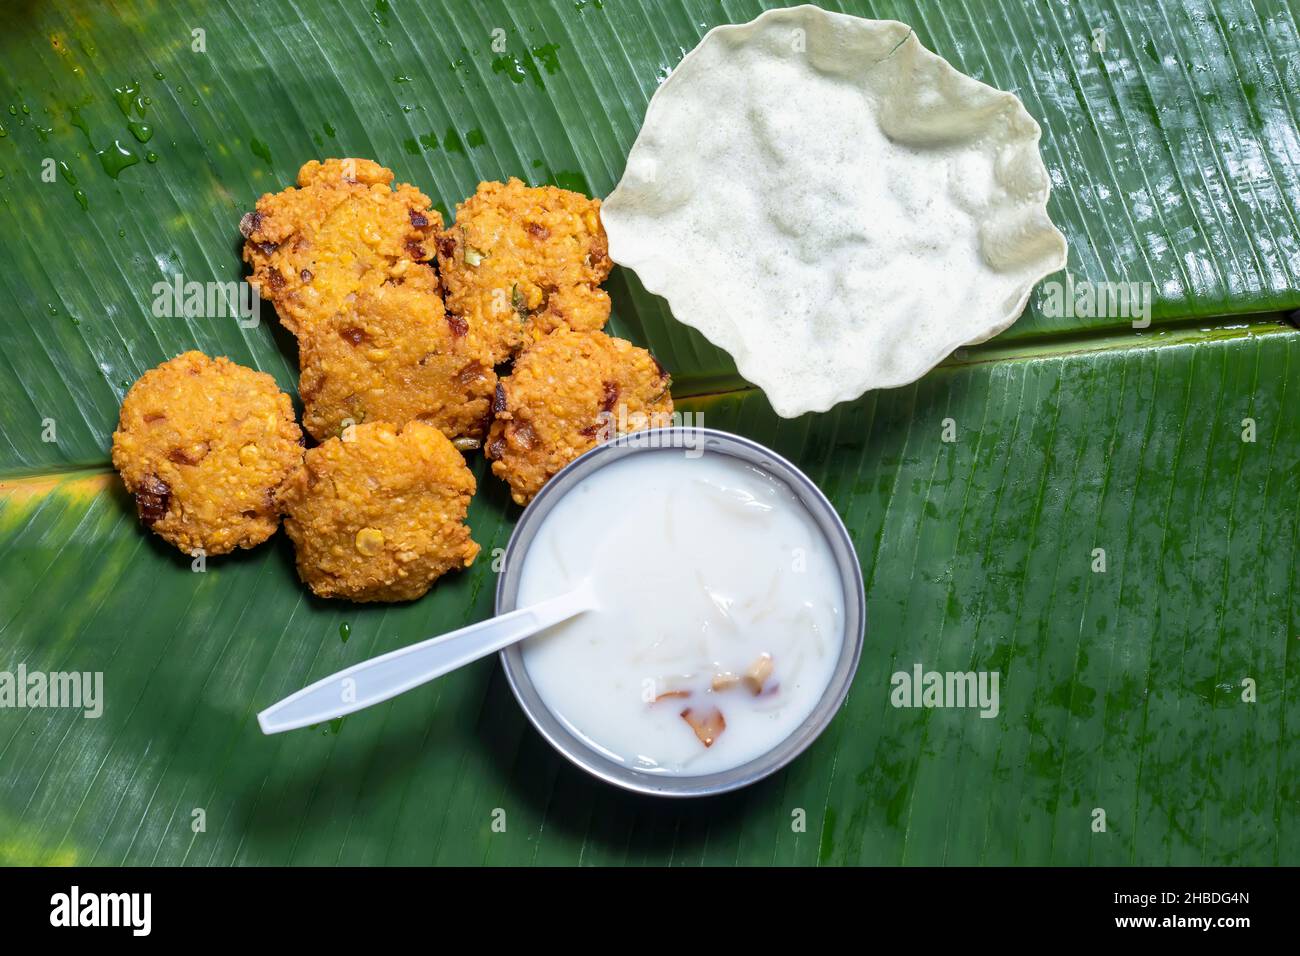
(1161, 691)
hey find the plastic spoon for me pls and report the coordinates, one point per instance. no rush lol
(380, 678)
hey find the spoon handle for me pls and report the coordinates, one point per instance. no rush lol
(380, 678)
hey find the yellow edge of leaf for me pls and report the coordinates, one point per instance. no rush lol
(77, 485)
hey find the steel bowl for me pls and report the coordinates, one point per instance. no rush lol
(710, 441)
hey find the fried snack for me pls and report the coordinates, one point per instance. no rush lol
(567, 393)
(394, 355)
(204, 444)
(378, 514)
(521, 261)
(312, 247)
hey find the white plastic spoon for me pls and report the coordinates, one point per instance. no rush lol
(380, 678)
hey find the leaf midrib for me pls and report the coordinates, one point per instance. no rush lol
(1051, 345)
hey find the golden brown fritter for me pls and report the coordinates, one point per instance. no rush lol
(567, 393)
(313, 246)
(394, 355)
(379, 514)
(204, 444)
(521, 261)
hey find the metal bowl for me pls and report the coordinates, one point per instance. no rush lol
(710, 441)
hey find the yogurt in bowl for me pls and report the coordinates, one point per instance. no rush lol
(730, 620)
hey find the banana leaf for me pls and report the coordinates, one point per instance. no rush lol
(1160, 690)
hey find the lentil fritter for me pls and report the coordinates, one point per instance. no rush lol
(203, 444)
(521, 261)
(311, 247)
(394, 355)
(379, 514)
(567, 393)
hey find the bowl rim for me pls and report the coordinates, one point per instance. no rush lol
(582, 754)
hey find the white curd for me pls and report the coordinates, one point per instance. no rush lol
(719, 598)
